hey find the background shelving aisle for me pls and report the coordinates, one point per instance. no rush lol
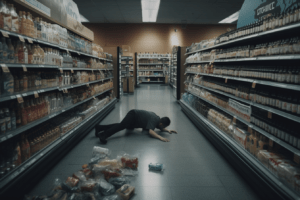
(194, 168)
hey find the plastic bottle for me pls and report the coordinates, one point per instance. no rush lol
(1, 53)
(13, 120)
(30, 54)
(10, 52)
(21, 28)
(4, 50)
(23, 114)
(31, 25)
(7, 17)
(23, 53)
(24, 25)
(7, 119)
(7, 87)
(15, 20)
(2, 122)
(2, 7)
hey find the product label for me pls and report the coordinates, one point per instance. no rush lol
(15, 25)
(25, 58)
(7, 23)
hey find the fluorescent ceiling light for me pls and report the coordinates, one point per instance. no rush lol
(150, 10)
(83, 19)
(232, 18)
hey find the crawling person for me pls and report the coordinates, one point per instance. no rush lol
(135, 119)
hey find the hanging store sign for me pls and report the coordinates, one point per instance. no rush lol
(41, 7)
(253, 10)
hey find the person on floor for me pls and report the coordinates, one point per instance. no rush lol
(135, 119)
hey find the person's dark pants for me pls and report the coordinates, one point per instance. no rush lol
(127, 122)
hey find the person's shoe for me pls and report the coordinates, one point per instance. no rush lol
(97, 130)
(98, 133)
(102, 138)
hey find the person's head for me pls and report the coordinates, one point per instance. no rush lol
(164, 122)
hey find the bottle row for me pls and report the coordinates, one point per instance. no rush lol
(24, 23)
(17, 150)
(124, 62)
(17, 80)
(285, 46)
(266, 23)
(47, 103)
(153, 55)
(158, 67)
(277, 98)
(150, 73)
(273, 156)
(153, 61)
(124, 67)
(278, 126)
(15, 51)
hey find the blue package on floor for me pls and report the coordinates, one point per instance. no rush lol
(156, 167)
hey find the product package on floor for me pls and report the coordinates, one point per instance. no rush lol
(101, 179)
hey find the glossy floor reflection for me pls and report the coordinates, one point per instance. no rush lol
(194, 169)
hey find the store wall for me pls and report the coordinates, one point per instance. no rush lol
(153, 37)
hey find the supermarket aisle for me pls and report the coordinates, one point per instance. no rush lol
(194, 168)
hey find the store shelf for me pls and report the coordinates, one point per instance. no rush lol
(145, 70)
(87, 69)
(270, 136)
(126, 64)
(269, 83)
(245, 162)
(39, 121)
(152, 81)
(36, 157)
(151, 76)
(250, 37)
(53, 45)
(151, 64)
(261, 58)
(83, 84)
(125, 70)
(28, 93)
(198, 62)
(17, 65)
(273, 110)
(154, 58)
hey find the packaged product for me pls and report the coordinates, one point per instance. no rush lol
(113, 163)
(129, 161)
(80, 175)
(126, 191)
(87, 172)
(240, 136)
(106, 188)
(264, 156)
(287, 173)
(112, 197)
(118, 181)
(98, 169)
(156, 167)
(89, 185)
(99, 150)
(109, 173)
(72, 182)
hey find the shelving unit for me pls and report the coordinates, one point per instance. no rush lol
(149, 58)
(260, 177)
(128, 72)
(119, 82)
(40, 160)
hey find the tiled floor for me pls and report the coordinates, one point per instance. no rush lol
(194, 169)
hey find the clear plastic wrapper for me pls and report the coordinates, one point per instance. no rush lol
(156, 167)
(99, 150)
(72, 182)
(126, 191)
(112, 197)
(65, 187)
(129, 172)
(129, 161)
(96, 159)
(87, 172)
(109, 173)
(76, 196)
(113, 163)
(89, 186)
(98, 170)
(118, 181)
(106, 188)
(287, 173)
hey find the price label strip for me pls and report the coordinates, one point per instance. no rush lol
(24, 68)
(61, 70)
(5, 34)
(269, 115)
(30, 40)
(21, 38)
(226, 80)
(254, 84)
(72, 71)
(5, 68)
(36, 94)
(19, 98)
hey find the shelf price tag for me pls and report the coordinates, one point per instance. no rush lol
(94, 97)
(72, 71)
(30, 40)
(254, 84)
(24, 68)
(78, 53)
(88, 84)
(5, 34)
(269, 115)
(21, 38)
(19, 98)
(250, 129)
(99, 70)
(36, 94)
(226, 80)
(234, 119)
(5, 68)
(61, 70)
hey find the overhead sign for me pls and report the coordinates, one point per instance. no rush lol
(253, 10)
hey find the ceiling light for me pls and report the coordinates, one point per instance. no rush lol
(83, 19)
(150, 10)
(232, 18)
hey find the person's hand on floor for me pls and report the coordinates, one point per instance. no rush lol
(164, 139)
(172, 131)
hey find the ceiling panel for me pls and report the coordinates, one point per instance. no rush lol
(170, 11)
